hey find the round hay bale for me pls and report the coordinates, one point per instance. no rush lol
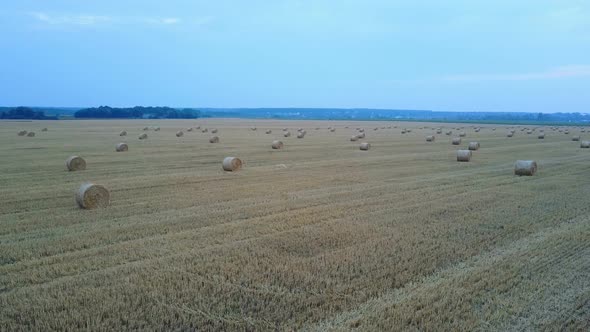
(525, 167)
(354, 138)
(146, 128)
(510, 134)
(122, 147)
(287, 134)
(285, 129)
(301, 129)
(473, 146)
(449, 133)
(529, 132)
(477, 130)
(585, 145)
(375, 129)
(157, 129)
(189, 129)
(214, 139)
(276, 144)
(31, 134)
(365, 146)
(430, 138)
(214, 131)
(456, 141)
(268, 132)
(361, 135)
(463, 155)
(143, 136)
(231, 164)
(198, 127)
(92, 196)
(253, 128)
(566, 132)
(205, 130)
(541, 136)
(179, 134)
(300, 134)
(576, 138)
(75, 163)
(44, 129)
(462, 134)
(123, 133)
(361, 130)
(22, 133)
(439, 131)
(403, 131)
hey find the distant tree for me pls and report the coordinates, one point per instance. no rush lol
(137, 112)
(22, 112)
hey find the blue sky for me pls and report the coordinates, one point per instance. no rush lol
(454, 55)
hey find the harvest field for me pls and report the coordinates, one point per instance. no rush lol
(316, 236)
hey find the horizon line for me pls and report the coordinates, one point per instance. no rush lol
(299, 108)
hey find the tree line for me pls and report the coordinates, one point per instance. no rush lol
(24, 113)
(137, 112)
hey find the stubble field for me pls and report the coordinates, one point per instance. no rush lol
(316, 236)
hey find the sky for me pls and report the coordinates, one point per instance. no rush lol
(447, 55)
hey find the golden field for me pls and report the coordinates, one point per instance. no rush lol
(316, 236)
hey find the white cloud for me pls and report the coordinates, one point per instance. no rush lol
(170, 20)
(85, 20)
(158, 20)
(70, 19)
(553, 73)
